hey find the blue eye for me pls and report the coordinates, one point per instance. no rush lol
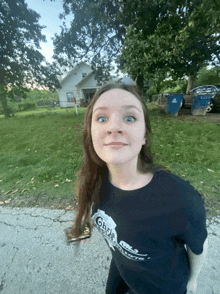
(126, 116)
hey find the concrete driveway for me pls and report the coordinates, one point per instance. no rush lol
(35, 258)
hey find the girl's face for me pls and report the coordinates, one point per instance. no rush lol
(119, 122)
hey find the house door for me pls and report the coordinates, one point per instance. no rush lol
(88, 94)
(88, 97)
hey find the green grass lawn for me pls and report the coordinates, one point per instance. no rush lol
(40, 151)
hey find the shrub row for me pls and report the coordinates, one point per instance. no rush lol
(26, 106)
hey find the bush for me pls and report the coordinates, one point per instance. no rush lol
(154, 98)
(26, 106)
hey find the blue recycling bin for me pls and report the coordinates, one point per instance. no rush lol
(200, 103)
(173, 104)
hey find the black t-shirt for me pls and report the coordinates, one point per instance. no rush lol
(146, 230)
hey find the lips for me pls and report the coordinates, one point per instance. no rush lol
(116, 144)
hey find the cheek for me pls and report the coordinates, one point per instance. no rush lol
(95, 133)
(95, 138)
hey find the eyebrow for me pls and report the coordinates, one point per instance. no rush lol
(123, 106)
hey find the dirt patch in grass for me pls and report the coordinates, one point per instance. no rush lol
(42, 200)
(212, 206)
(185, 114)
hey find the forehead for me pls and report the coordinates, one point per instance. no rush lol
(116, 98)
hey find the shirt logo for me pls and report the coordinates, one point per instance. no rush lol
(106, 225)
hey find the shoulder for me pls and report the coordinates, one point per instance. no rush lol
(182, 189)
(172, 181)
(188, 201)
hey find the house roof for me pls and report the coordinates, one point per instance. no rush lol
(84, 80)
(126, 80)
(72, 72)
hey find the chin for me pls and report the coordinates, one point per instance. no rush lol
(117, 159)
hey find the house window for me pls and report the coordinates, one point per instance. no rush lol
(69, 96)
(84, 75)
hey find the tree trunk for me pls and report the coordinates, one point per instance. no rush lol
(190, 81)
(140, 83)
(3, 100)
(158, 85)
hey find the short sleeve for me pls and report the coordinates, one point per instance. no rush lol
(195, 230)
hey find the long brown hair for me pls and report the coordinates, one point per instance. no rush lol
(90, 177)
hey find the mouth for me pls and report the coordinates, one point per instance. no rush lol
(114, 146)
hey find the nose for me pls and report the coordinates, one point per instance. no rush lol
(115, 121)
(115, 125)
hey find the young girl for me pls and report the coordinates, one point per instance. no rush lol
(146, 214)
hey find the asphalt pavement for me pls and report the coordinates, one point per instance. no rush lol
(35, 258)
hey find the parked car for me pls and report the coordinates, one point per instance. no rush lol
(214, 104)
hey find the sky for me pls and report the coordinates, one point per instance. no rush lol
(49, 12)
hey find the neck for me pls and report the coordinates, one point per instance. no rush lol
(123, 174)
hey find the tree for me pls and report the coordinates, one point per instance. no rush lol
(36, 95)
(20, 61)
(208, 76)
(185, 38)
(95, 36)
(157, 36)
(98, 31)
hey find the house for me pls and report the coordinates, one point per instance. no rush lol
(79, 85)
(128, 81)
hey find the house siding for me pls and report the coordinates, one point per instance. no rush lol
(81, 91)
(90, 84)
(68, 86)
